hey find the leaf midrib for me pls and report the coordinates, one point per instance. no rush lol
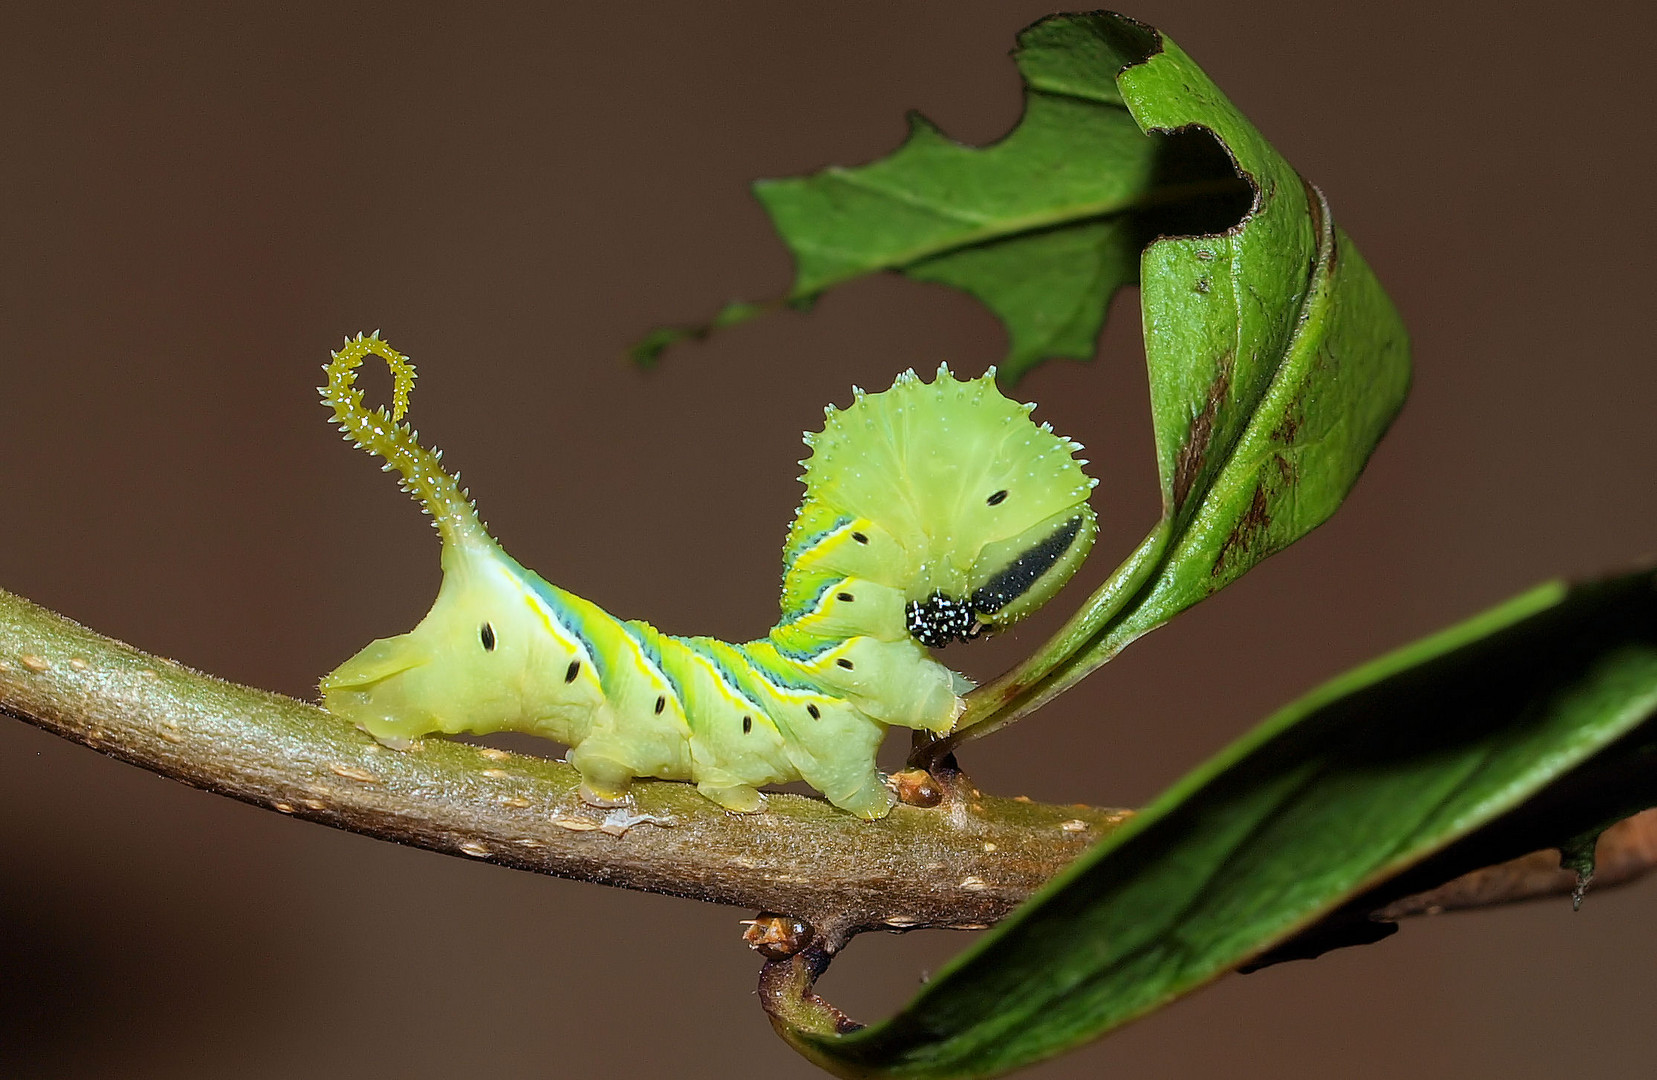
(1007, 229)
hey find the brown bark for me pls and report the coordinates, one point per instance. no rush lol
(1626, 851)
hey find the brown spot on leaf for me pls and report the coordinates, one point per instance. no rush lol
(1247, 533)
(1322, 227)
(1315, 205)
(1188, 462)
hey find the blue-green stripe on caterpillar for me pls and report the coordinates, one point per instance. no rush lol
(933, 511)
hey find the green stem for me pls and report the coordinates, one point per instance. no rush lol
(1048, 672)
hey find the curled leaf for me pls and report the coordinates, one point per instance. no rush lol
(1276, 364)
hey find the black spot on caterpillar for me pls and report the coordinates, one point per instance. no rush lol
(894, 516)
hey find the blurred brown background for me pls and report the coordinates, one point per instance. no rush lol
(198, 202)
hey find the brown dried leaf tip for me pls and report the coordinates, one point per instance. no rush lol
(776, 937)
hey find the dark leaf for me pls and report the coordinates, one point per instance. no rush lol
(1523, 728)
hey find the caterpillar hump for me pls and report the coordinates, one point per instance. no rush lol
(932, 510)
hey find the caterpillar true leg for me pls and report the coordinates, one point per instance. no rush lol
(933, 510)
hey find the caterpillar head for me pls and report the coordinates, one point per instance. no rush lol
(957, 498)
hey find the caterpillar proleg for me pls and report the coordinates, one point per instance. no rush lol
(933, 511)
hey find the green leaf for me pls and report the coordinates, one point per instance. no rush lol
(1524, 728)
(1042, 226)
(1276, 364)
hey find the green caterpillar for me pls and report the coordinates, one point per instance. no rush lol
(933, 511)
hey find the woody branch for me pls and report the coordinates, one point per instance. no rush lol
(962, 864)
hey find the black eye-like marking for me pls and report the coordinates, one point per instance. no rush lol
(812, 709)
(998, 498)
(1024, 571)
(845, 598)
(747, 724)
(487, 636)
(572, 671)
(860, 538)
(847, 664)
(661, 703)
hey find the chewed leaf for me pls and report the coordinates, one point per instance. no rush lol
(1042, 226)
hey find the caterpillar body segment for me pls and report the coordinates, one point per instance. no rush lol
(933, 511)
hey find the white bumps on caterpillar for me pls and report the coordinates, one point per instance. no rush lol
(952, 495)
(932, 511)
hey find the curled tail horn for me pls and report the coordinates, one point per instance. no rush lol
(382, 433)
